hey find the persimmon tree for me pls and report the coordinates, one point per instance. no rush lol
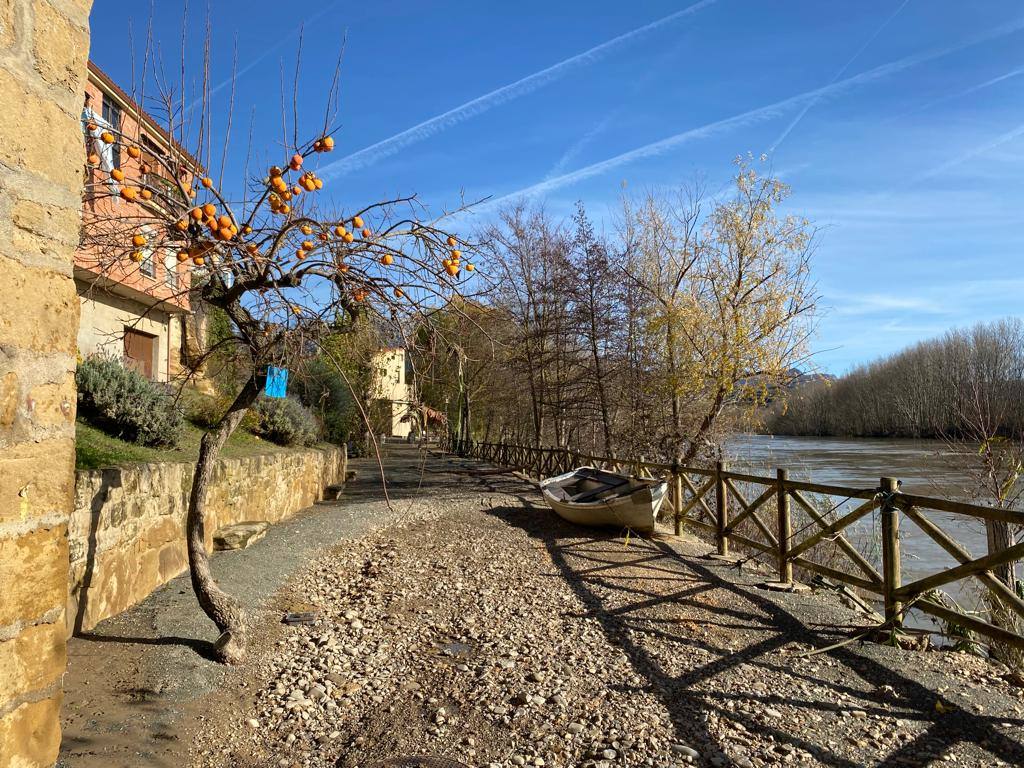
(284, 266)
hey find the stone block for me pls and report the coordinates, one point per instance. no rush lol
(43, 235)
(240, 535)
(9, 20)
(173, 560)
(9, 396)
(33, 574)
(60, 47)
(30, 734)
(52, 222)
(35, 480)
(31, 661)
(52, 154)
(40, 306)
(51, 405)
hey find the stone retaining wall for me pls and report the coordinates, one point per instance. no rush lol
(127, 537)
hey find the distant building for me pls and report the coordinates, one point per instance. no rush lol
(136, 311)
(392, 393)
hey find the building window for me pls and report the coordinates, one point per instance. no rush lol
(112, 116)
(148, 264)
(171, 269)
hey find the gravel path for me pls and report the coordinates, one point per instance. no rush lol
(136, 683)
(484, 629)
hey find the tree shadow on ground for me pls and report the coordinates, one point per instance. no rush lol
(592, 564)
(202, 647)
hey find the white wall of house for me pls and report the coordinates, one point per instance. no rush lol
(389, 384)
(104, 318)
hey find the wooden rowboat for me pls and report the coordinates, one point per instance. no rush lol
(591, 496)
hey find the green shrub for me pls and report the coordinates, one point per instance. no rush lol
(126, 403)
(201, 409)
(320, 386)
(284, 421)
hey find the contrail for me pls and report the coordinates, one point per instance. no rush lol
(960, 94)
(580, 144)
(971, 153)
(753, 116)
(602, 125)
(842, 71)
(387, 147)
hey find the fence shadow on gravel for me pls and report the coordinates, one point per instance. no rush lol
(806, 525)
(588, 562)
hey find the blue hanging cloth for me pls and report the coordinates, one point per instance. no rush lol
(277, 382)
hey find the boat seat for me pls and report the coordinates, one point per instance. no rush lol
(558, 492)
(593, 495)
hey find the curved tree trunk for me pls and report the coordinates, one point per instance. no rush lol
(222, 609)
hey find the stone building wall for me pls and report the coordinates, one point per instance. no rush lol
(44, 45)
(127, 530)
(104, 318)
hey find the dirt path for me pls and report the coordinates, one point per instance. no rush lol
(484, 629)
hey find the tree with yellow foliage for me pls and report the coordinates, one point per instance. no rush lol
(731, 299)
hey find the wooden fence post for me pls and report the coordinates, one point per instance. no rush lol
(677, 498)
(891, 571)
(722, 509)
(785, 529)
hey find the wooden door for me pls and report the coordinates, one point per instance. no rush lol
(140, 351)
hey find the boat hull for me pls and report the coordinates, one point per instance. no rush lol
(636, 510)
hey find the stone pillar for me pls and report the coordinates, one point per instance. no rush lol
(44, 45)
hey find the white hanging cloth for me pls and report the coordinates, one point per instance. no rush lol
(95, 143)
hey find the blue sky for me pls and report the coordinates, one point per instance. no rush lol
(899, 125)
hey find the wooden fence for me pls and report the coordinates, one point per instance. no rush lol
(757, 513)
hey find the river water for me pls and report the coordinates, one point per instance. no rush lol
(926, 467)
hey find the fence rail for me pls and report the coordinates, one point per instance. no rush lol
(757, 513)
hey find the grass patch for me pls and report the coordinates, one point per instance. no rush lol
(94, 448)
